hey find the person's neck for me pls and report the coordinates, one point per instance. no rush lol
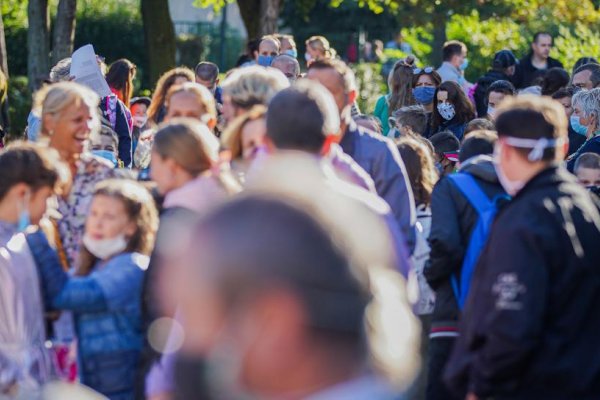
(313, 374)
(538, 61)
(8, 213)
(68, 157)
(429, 107)
(528, 170)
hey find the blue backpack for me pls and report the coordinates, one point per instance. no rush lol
(486, 210)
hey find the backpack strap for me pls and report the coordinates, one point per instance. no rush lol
(486, 210)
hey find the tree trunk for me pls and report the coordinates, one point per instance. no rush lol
(160, 37)
(439, 35)
(269, 16)
(64, 30)
(250, 17)
(3, 57)
(37, 43)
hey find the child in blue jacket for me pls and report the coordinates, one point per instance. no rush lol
(104, 294)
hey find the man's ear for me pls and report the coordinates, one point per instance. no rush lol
(352, 96)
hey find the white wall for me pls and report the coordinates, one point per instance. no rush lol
(184, 11)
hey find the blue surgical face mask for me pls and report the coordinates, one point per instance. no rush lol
(291, 53)
(491, 111)
(576, 125)
(424, 94)
(464, 65)
(265, 61)
(107, 155)
(24, 218)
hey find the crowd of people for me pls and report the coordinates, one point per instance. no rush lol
(253, 234)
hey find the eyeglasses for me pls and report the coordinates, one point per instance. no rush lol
(426, 70)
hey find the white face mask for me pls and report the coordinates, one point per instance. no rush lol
(307, 57)
(491, 111)
(106, 248)
(446, 110)
(140, 121)
(511, 187)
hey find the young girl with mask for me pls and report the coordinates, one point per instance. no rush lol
(425, 82)
(28, 177)
(105, 292)
(453, 110)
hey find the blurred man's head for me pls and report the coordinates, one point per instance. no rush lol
(207, 74)
(477, 143)
(587, 170)
(587, 76)
(446, 148)
(532, 134)
(410, 120)
(541, 46)
(301, 117)
(338, 78)
(454, 52)
(288, 65)
(268, 49)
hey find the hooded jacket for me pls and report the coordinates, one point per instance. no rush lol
(453, 220)
(530, 326)
(591, 145)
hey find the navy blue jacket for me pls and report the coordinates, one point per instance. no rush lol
(379, 157)
(590, 146)
(531, 323)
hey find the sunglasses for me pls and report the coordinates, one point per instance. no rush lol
(426, 70)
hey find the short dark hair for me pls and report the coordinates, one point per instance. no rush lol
(501, 86)
(207, 71)
(595, 70)
(477, 143)
(554, 79)
(480, 124)
(452, 48)
(444, 142)
(300, 117)
(537, 35)
(414, 117)
(346, 74)
(569, 91)
(583, 61)
(30, 164)
(532, 117)
(587, 160)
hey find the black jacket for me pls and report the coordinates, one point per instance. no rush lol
(453, 219)
(526, 73)
(591, 145)
(481, 90)
(531, 326)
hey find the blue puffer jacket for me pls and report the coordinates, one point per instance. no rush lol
(379, 157)
(106, 305)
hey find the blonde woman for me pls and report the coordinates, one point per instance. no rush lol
(68, 117)
(318, 48)
(247, 87)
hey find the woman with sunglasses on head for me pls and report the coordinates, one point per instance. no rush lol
(453, 110)
(425, 82)
(400, 86)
